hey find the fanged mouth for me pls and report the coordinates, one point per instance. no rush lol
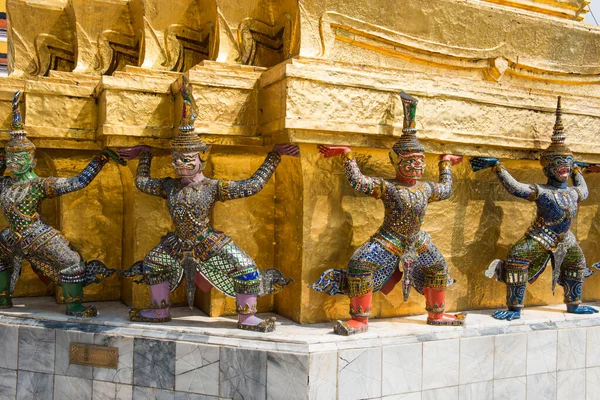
(563, 170)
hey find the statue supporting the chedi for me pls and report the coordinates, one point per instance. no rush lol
(549, 238)
(400, 240)
(195, 249)
(28, 237)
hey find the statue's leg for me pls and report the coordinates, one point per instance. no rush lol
(435, 271)
(57, 253)
(5, 276)
(360, 291)
(573, 272)
(157, 268)
(364, 262)
(526, 260)
(246, 284)
(5, 270)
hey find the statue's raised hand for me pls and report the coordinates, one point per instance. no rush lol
(114, 156)
(129, 153)
(587, 167)
(479, 163)
(287, 149)
(332, 151)
(455, 160)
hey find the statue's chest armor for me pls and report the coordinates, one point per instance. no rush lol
(191, 204)
(557, 207)
(20, 204)
(408, 205)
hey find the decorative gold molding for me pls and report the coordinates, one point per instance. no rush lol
(493, 62)
(274, 38)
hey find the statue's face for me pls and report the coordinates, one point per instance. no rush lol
(187, 165)
(558, 167)
(20, 162)
(411, 165)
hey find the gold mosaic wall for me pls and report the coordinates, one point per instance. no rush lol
(487, 74)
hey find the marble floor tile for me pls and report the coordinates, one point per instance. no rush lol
(510, 388)
(440, 364)
(359, 373)
(541, 386)
(154, 364)
(593, 347)
(476, 360)
(323, 375)
(124, 371)
(402, 369)
(476, 391)
(197, 368)
(70, 388)
(243, 374)
(102, 390)
(571, 349)
(592, 383)
(146, 393)
(510, 356)
(9, 345)
(541, 352)
(63, 351)
(193, 396)
(34, 385)
(124, 392)
(36, 349)
(571, 385)
(404, 396)
(449, 393)
(8, 384)
(287, 376)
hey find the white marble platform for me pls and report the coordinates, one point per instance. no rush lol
(547, 354)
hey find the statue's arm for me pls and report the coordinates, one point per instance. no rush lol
(54, 187)
(579, 183)
(145, 183)
(514, 187)
(2, 162)
(229, 190)
(443, 189)
(374, 187)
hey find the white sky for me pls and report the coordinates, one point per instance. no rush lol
(595, 7)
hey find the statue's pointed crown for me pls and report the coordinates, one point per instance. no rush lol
(188, 141)
(408, 142)
(18, 141)
(558, 146)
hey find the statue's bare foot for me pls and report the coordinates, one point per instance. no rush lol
(579, 309)
(156, 315)
(253, 323)
(446, 319)
(351, 327)
(508, 315)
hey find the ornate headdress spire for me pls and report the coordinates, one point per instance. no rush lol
(188, 141)
(408, 142)
(557, 147)
(18, 141)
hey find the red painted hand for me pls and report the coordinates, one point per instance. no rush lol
(455, 160)
(129, 153)
(332, 151)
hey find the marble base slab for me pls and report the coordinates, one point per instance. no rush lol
(547, 354)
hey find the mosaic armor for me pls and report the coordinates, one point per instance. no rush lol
(212, 253)
(549, 239)
(29, 238)
(399, 242)
(205, 256)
